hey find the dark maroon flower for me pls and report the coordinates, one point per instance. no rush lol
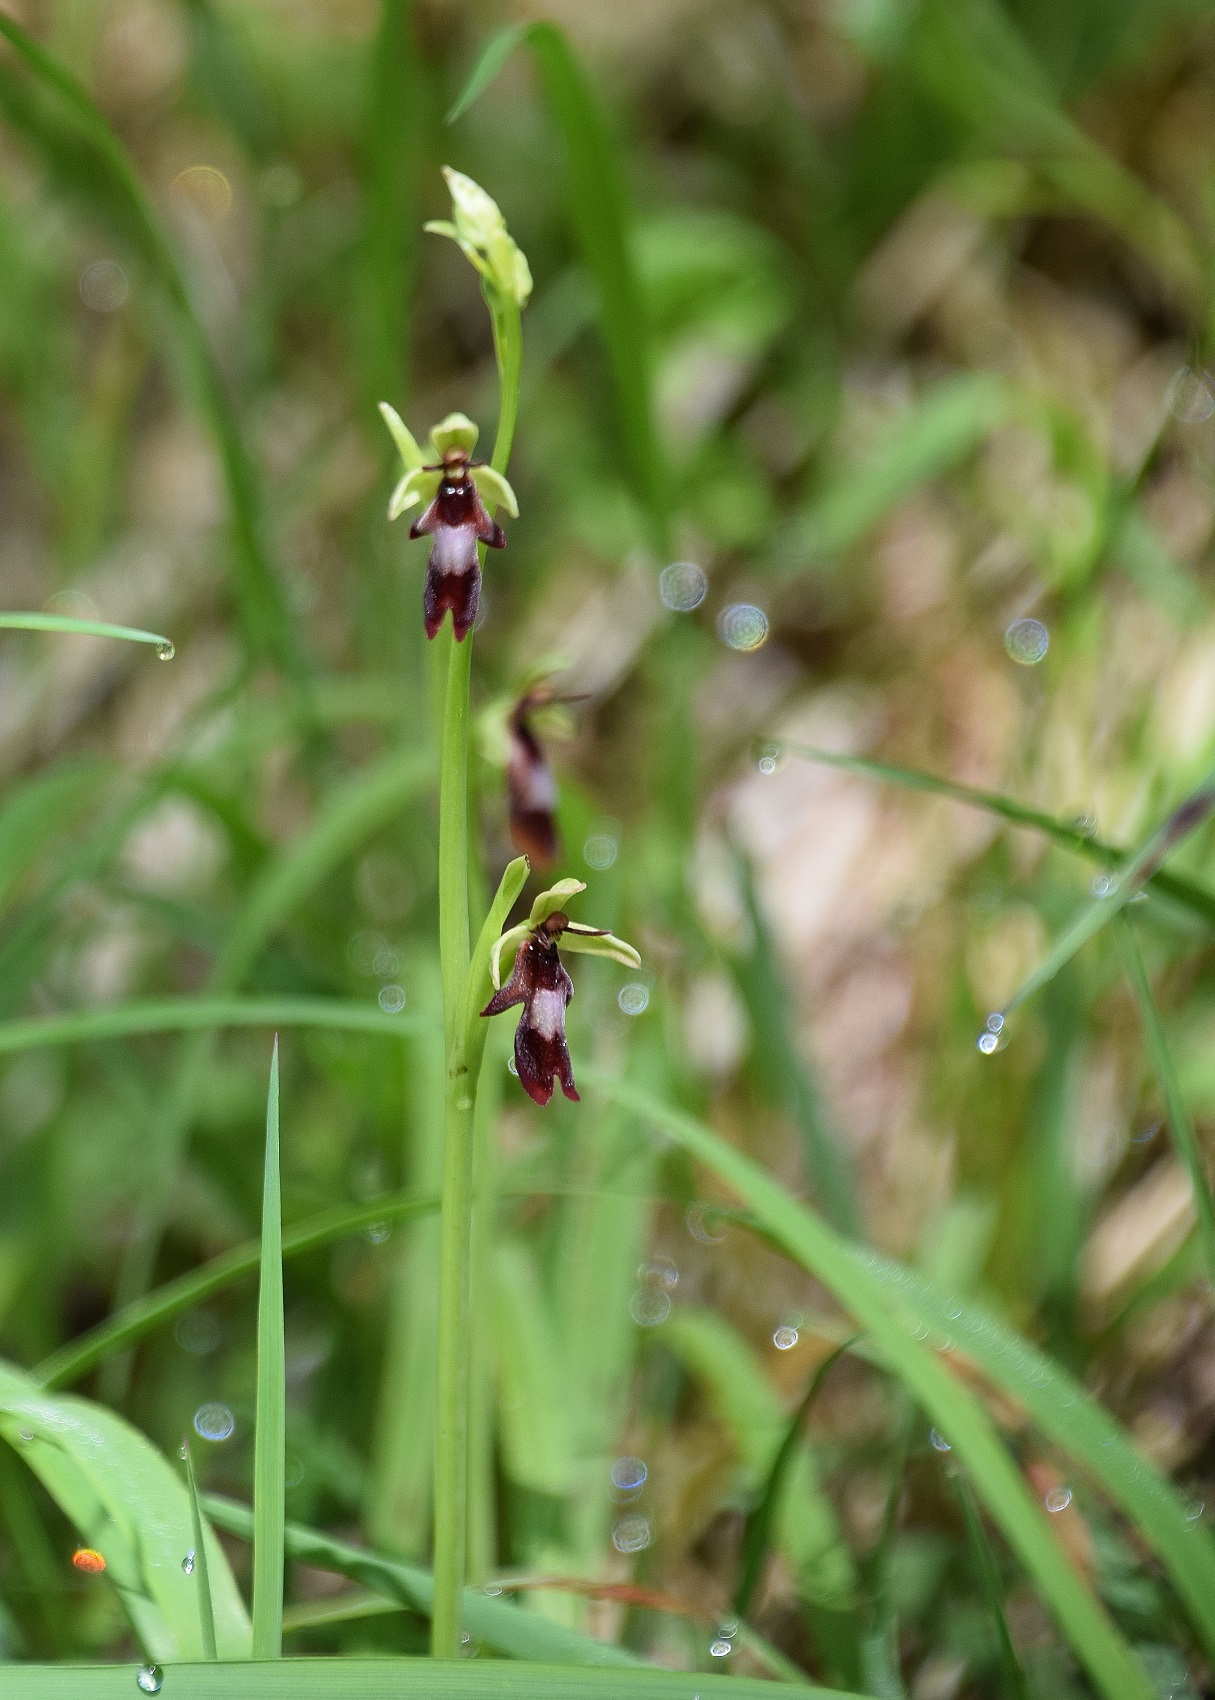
(457, 521)
(530, 786)
(455, 516)
(540, 983)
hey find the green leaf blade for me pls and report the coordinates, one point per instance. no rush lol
(270, 1442)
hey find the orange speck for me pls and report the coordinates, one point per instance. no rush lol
(88, 1559)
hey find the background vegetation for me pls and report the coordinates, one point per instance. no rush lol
(888, 316)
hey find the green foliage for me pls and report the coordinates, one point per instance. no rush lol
(891, 321)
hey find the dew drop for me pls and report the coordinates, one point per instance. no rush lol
(104, 286)
(1101, 885)
(633, 998)
(150, 1679)
(632, 1533)
(1190, 396)
(770, 759)
(513, 1066)
(629, 1475)
(493, 1589)
(1058, 1499)
(939, 1442)
(659, 1272)
(1194, 1511)
(375, 1233)
(784, 1338)
(391, 999)
(187, 1563)
(25, 1435)
(988, 1042)
(720, 1647)
(293, 1473)
(742, 626)
(599, 851)
(994, 1022)
(1027, 642)
(214, 1421)
(704, 1224)
(682, 586)
(649, 1306)
(165, 652)
(197, 1332)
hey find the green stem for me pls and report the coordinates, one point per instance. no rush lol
(1179, 1118)
(463, 1067)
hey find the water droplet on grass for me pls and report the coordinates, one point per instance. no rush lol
(1058, 1499)
(994, 1022)
(187, 1563)
(104, 286)
(493, 1589)
(377, 1232)
(1190, 396)
(742, 626)
(770, 759)
(1101, 885)
(197, 1332)
(629, 1475)
(939, 1442)
(631, 1534)
(785, 1338)
(150, 1678)
(391, 999)
(988, 1042)
(165, 651)
(633, 998)
(1027, 642)
(719, 1648)
(682, 586)
(659, 1272)
(214, 1421)
(649, 1306)
(704, 1224)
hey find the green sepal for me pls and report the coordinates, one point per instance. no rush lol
(487, 953)
(495, 491)
(591, 943)
(457, 431)
(403, 437)
(555, 898)
(416, 486)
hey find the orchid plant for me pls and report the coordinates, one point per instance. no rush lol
(458, 496)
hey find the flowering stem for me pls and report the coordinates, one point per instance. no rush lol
(463, 1067)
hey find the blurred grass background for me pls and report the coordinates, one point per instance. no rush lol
(924, 294)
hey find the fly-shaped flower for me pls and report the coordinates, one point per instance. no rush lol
(458, 493)
(540, 983)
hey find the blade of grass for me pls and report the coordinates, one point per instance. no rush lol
(181, 1015)
(269, 627)
(1184, 820)
(807, 1532)
(1175, 886)
(880, 1662)
(1074, 1421)
(388, 1679)
(206, 1609)
(953, 1409)
(945, 425)
(390, 173)
(85, 628)
(124, 1498)
(517, 1634)
(270, 1439)
(758, 1529)
(601, 216)
(1178, 1110)
(781, 1070)
(129, 1325)
(985, 1561)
